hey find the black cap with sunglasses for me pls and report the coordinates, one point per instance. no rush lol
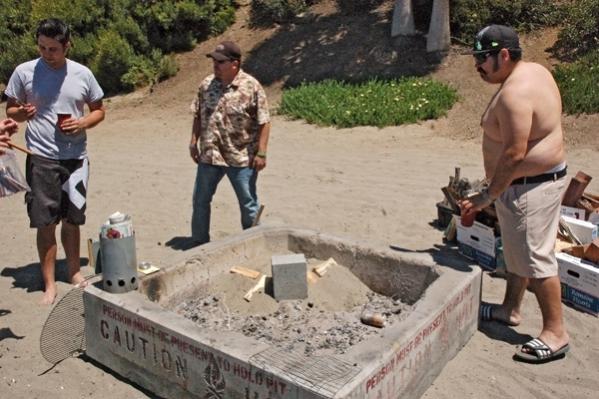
(226, 51)
(493, 38)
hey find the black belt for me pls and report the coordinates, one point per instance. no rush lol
(540, 178)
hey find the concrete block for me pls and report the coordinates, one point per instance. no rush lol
(289, 276)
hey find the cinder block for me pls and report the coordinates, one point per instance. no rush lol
(289, 276)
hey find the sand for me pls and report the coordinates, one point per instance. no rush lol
(375, 185)
(364, 183)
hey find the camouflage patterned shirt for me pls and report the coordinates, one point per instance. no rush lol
(229, 119)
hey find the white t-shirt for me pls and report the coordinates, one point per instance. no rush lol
(54, 91)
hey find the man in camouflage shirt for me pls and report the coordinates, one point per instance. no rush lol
(232, 125)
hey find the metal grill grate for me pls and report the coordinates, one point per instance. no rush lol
(63, 334)
(323, 375)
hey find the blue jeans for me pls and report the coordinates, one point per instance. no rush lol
(208, 176)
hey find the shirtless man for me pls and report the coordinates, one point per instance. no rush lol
(525, 164)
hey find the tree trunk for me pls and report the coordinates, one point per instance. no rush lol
(403, 19)
(438, 38)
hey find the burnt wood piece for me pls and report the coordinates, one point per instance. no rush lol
(576, 188)
(451, 199)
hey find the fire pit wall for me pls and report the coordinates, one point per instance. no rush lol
(134, 335)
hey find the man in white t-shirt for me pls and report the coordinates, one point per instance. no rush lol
(50, 93)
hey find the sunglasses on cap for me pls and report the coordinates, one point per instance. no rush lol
(483, 55)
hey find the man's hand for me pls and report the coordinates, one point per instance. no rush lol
(259, 163)
(8, 126)
(26, 111)
(72, 126)
(194, 152)
(475, 202)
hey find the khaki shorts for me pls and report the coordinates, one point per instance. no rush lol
(529, 219)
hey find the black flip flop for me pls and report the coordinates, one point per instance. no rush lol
(540, 352)
(486, 314)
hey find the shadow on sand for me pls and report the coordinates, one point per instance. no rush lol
(342, 47)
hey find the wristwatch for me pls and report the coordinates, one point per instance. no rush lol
(261, 154)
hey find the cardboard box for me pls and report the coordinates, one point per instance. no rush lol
(576, 213)
(478, 243)
(579, 274)
(580, 300)
(584, 231)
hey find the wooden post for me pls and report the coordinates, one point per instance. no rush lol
(403, 19)
(438, 38)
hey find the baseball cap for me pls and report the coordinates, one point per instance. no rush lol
(226, 51)
(496, 37)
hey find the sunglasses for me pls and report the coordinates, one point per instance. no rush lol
(222, 61)
(482, 57)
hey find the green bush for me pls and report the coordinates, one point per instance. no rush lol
(580, 32)
(146, 71)
(12, 53)
(373, 103)
(268, 12)
(16, 45)
(143, 32)
(130, 30)
(176, 25)
(83, 48)
(112, 60)
(579, 84)
(82, 16)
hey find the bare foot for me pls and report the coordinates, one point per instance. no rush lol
(49, 296)
(78, 280)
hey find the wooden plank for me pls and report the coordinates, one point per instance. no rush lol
(321, 269)
(259, 286)
(311, 277)
(451, 199)
(244, 271)
(90, 253)
(576, 188)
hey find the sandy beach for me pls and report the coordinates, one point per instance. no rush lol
(374, 185)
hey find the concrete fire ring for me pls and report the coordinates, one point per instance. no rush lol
(132, 334)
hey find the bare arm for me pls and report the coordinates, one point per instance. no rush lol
(260, 158)
(95, 116)
(97, 112)
(194, 152)
(18, 111)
